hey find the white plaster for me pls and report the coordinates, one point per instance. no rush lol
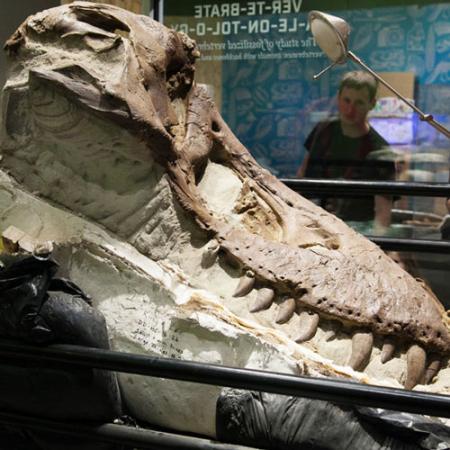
(220, 187)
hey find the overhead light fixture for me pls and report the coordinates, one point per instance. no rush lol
(331, 34)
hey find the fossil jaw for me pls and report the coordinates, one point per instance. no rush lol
(151, 308)
(112, 128)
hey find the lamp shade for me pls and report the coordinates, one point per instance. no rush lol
(331, 34)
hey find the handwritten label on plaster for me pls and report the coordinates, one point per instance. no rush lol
(158, 336)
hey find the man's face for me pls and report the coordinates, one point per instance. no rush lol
(354, 105)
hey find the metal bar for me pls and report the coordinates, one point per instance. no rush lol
(411, 245)
(337, 391)
(361, 188)
(123, 434)
(425, 117)
(158, 10)
(411, 214)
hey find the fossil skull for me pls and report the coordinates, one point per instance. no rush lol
(102, 119)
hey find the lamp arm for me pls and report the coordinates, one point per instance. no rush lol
(425, 117)
(318, 75)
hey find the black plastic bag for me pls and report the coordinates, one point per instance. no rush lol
(23, 289)
(36, 308)
(272, 421)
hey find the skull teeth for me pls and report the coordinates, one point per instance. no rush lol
(309, 322)
(245, 285)
(415, 365)
(264, 300)
(433, 368)
(286, 311)
(362, 344)
(387, 351)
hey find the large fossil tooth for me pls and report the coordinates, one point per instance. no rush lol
(263, 301)
(245, 284)
(362, 343)
(309, 322)
(286, 311)
(387, 352)
(415, 365)
(434, 365)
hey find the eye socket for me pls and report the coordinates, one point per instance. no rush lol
(215, 126)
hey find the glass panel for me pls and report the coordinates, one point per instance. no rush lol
(259, 59)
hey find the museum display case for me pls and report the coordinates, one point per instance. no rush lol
(167, 279)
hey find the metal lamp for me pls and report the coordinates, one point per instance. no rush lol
(331, 34)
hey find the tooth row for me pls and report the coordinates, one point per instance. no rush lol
(416, 359)
(362, 341)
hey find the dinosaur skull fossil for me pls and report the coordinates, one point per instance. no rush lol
(102, 119)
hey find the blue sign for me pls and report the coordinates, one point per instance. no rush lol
(269, 57)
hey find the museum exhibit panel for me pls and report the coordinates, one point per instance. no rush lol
(163, 284)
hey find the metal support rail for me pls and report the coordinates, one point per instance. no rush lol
(362, 188)
(338, 391)
(142, 438)
(157, 6)
(411, 245)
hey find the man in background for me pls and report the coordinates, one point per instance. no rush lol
(349, 148)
